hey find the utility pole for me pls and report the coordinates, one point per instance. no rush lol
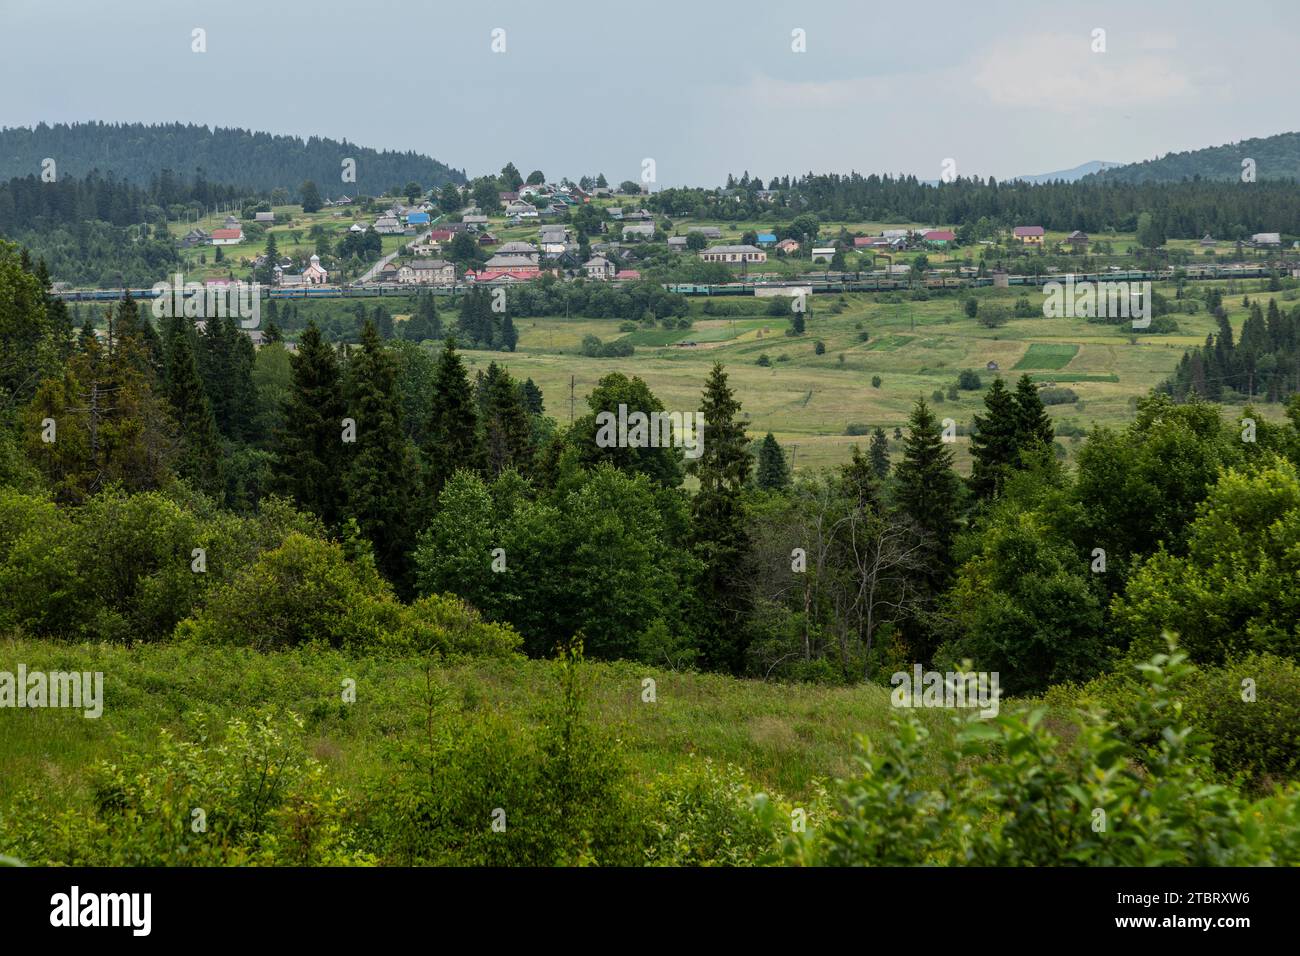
(571, 384)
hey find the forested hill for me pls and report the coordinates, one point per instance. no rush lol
(1276, 157)
(261, 161)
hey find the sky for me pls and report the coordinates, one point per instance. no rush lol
(702, 88)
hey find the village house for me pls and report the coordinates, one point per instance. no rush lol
(387, 272)
(357, 227)
(735, 254)
(627, 275)
(939, 237)
(264, 218)
(507, 196)
(417, 219)
(598, 267)
(1266, 240)
(511, 263)
(499, 278)
(1208, 241)
(1028, 235)
(708, 232)
(427, 272)
(195, 237)
(521, 210)
(517, 248)
(1078, 240)
(639, 230)
(677, 243)
(230, 223)
(766, 239)
(474, 220)
(227, 237)
(823, 253)
(615, 213)
(388, 226)
(787, 246)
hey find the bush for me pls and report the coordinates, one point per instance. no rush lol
(969, 381)
(260, 800)
(875, 381)
(1017, 795)
(475, 791)
(857, 428)
(1057, 396)
(1259, 738)
(707, 815)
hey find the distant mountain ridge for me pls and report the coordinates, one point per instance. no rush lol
(1275, 157)
(137, 152)
(1069, 175)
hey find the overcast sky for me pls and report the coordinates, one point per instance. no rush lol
(702, 87)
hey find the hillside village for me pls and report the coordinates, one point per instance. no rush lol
(597, 234)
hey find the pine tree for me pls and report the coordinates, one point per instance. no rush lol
(533, 398)
(1033, 424)
(380, 478)
(994, 449)
(773, 470)
(718, 534)
(200, 444)
(309, 446)
(507, 432)
(879, 453)
(453, 425)
(860, 481)
(509, 337)
(927, 487)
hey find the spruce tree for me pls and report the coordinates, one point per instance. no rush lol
(718, 534)
(994, 448)
(509, 337)
(309, 445)
(879, 453)
(453, 424)
(200, 443)
(927, 487)
(773, 470)
(1033, 424)
(380, 477)
(507, 432)
(860, 481)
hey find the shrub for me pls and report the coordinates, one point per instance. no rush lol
(875, 381)
(1259, 738)
(303, 591)
(1017, 795)
(969, 381)
(260, 800)
(857, 428)
(703, 814)
(1057, 396)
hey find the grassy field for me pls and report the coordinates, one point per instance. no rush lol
(806, 400)
(784, 737)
